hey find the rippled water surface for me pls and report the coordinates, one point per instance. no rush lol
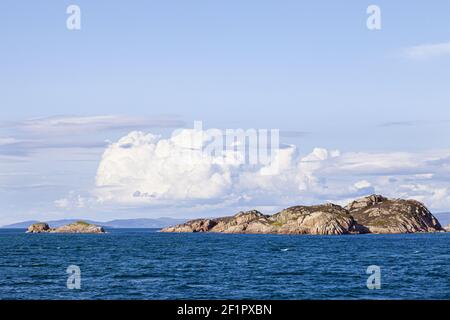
(145, 264)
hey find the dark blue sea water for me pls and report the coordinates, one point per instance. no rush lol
(145, 264)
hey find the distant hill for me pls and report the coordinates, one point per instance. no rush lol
(118, 223)
(141, 223)
(21, 225)
(443, 217)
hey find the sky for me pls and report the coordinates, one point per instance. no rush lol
(87, 117)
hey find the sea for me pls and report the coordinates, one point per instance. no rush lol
(147, 264)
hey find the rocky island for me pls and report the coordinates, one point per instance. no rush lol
(76, 227)
(372, 214)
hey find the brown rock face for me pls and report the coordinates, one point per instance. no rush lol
(79, 227)
(447, 228)
(38, 228)
(325, 219)
(322, 219)
(76, 227)
(372, 214)
(382, 215)
(243, 222)
(198, 225)
(365, 202)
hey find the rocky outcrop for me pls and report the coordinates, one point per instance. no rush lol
(76, 227)
(382, 215)
(323, 219)
(243, 222)
(373, 214)
(38, 228)
(447, 228)
(80, 227)
(365, 202)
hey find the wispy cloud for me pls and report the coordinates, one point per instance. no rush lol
(83, 124)
(428, 51)
(72, 132)
(26, 147)
(397, 124)
(413, 123)
(293, 134)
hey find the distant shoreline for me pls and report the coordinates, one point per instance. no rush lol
(443, 217)
(138, 223)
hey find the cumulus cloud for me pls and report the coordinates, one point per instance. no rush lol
(74, 201)
(428, 51)
(149, 170)
(146, 166)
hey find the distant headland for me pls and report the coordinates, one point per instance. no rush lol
(372, 214)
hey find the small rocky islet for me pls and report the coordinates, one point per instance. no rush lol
(371, 214)
(76, 227)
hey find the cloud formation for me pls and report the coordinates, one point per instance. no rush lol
(147, 170)
(428, 51)
(72, 132)
(83, 124)
(72, 201)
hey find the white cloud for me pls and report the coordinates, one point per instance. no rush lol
(428, 51)
(62, 203)
(73, 201)
(144, 168)
(363, 184)
(147, 170)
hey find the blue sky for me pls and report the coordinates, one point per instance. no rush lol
(311, 69)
